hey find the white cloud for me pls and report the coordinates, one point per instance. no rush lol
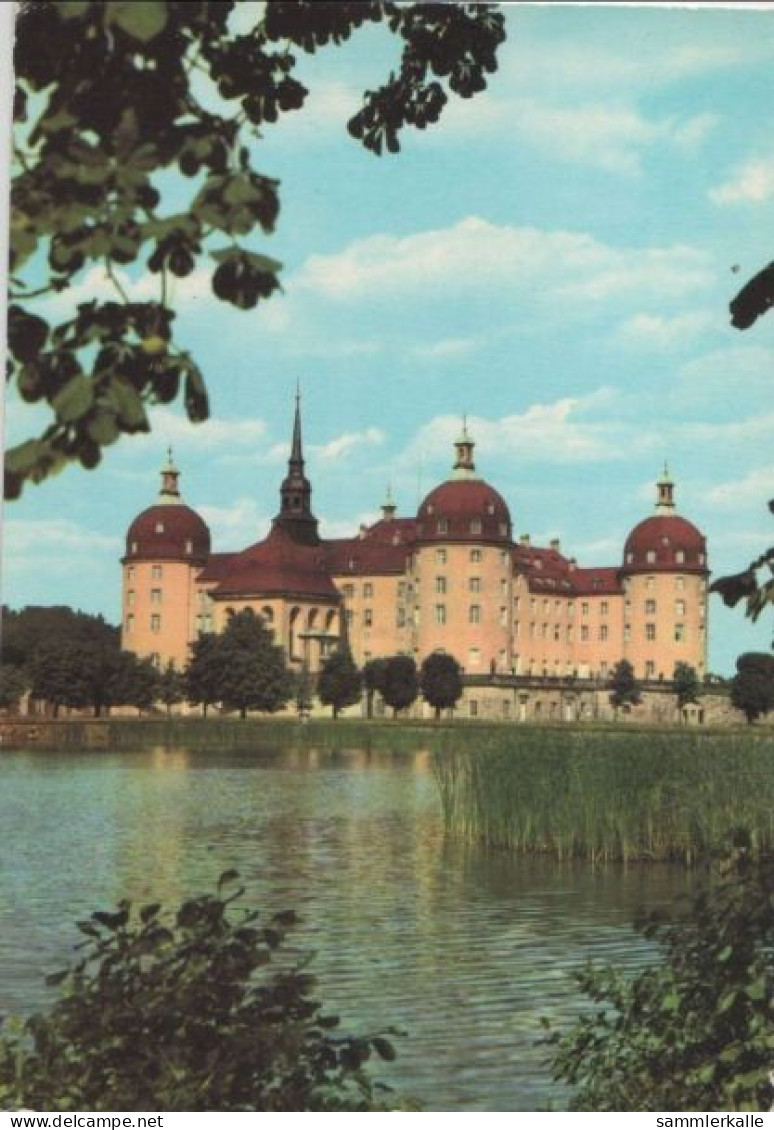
(346, 527)
(475, 254)
(655, 331)
(601, 135)
(562, 432)
(750, 183)
(343, 444)
(237, 525)
(725, 378)
(755, 488)
(447, 347)
(59, 539)
(169, 427)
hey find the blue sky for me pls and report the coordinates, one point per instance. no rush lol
(555, 260)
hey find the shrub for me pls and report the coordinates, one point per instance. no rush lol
(695, 1033)
(194, 1015)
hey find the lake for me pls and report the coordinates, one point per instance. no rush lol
(462, 948)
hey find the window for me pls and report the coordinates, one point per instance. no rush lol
(155, 596)
(585, 608)
(474, 614)
(585, 632)
(368, 617)
(475, 555)
(440, 556)
(443, 526)
(650, 631)
(130, 573)
(604, 608)
(503, 588)
(155, 623)
(650, 582)
(650, 556)
(474, 584)
(546, 605)
(506, 708)
(440, 613)
(679, 632)
(679, 556)
(473, 708)
(130, 622)
(349, 591)
(650, 607)
(557, 632)
(570, 608)
(504, 617)
(503, 528)
(650, 669)
(134, 547)
(627, 632)
(349, 616)
(680, 608)
(189, 546)
(503, 556)
(701, 558)
(440, 584)
(475, 526)
(680, 583)
(130, 599)
(159, 527)
(603, 632)
(533, 605)
(400, 618)
(629, 558)
(368, 590)
(474, 657)
(156, 572)
(532, 631)
(569, 633)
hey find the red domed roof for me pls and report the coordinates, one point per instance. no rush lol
(665, 542)
(168, 530)
(465, 509)
(278, 566)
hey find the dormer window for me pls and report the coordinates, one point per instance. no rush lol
(490, 508)
(475, 526)
(629, 558)
(650, 556)
(189, 546)
(443, 526)
(159, 527)
(430, 509)
(503, 529)
(679, 556)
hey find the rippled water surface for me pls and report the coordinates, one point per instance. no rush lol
(462, 949)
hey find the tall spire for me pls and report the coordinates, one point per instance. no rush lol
(665, 493)
(295, 516)
(388, 506)
(464, 467)
(170, 492)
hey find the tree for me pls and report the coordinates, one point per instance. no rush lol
(339, 683)
(33, 626)
(440, 680)
(623, 686)
(131, 681)
(59, 677)
(401, 682)
(374, 671)
(92, 674)
(171, 686)
(13, 683)
(685, 683)
(752, 688)
(205, 671)
(111, 95)
(242, 668)
(692, 1032)
(187, 1014)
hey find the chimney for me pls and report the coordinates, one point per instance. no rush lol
(524, 539)
(555, 545)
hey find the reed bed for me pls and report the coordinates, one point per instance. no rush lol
(608, 796)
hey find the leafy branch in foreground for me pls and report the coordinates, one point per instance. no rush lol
(187, 1015)
(695, 1033)
(110, 99)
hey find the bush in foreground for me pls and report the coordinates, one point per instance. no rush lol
(695, 1033)
(190, 1015)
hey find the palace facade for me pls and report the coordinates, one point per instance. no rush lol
(451, 578)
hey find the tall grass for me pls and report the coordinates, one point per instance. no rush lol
(608, 796)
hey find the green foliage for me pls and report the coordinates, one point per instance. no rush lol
(440, 680)
(28, 629)
(685, 682)
(91, 674)
(752, 688)
(695, 1032)
(303, 691)
(665, 796)
(400, 682)
(171, 686)
(339, 683)
(198, 1013)
(373, 681)
(623, 685)
(241, 668)
(13, 683)
(111, 96)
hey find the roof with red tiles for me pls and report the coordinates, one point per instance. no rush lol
(215, 569)
(168, 531)
(468, 510)
(380, 549)
(278, 566)
(667, 543)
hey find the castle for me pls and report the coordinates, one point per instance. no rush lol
(452, 578)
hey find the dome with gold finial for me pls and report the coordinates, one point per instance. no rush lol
(168, 530)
